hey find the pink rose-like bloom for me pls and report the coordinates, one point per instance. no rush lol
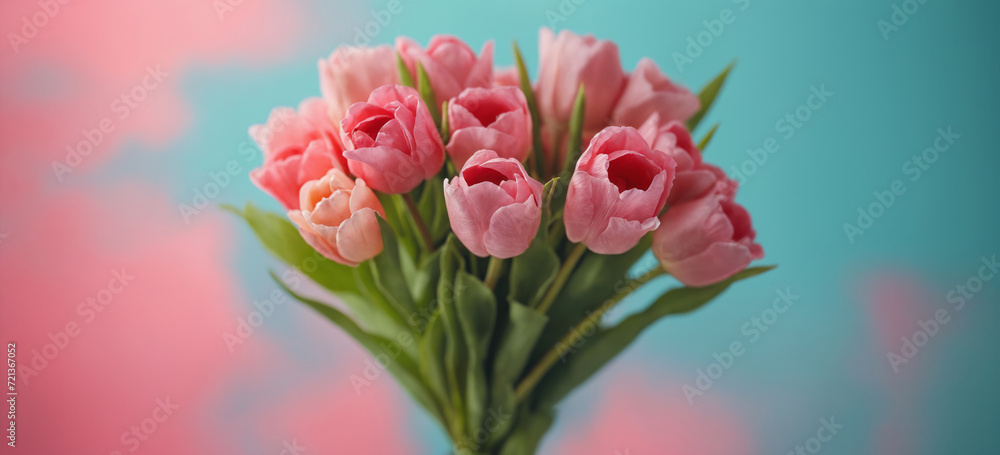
(489, 118)
(338, 218)
(649, 91)
(706, 240)
(395, 143)
(352, 73)
(694, 177)
(298, 147)
(617, 191)
(494, 207)
(451, 65)
(569, 60)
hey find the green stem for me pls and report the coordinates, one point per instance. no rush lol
(575, 334)
(493, 272)
(561, 277)
(421, 226)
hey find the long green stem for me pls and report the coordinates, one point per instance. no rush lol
(561, 277)
(575, 334)
(421, 225)
(493, 271)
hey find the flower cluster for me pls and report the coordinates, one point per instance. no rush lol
(617, 142)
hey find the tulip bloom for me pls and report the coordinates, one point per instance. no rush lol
(569, 60)
(495, 119)
(338, 218)
(617, 191)
(706, 240)
(395, 143)
(298, 147)
(649, 91)
(494, 207)
(451, 65)
(352, 73)
(694, 178)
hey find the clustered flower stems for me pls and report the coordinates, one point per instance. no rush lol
(484, 289)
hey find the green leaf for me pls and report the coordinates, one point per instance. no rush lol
(455, 355)
(402, 367)
(708, 138)
(581, 362)
(445, 126)
(707, 96)
(432, 367)
(433, 208)
(595, 280)
(575, 138)
(399, 218)
(405, 77)
(427, 94)
(536, 118)
(283, 240)
(476, 308)
(533, 271)
(387, 270)
(528, 432)
(378, 313)
(425, 283)
(523, 328)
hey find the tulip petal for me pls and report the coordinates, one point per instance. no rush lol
(512, 228)
(718, 262)
(359, 237)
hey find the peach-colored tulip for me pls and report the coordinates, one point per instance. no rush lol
(489, 118)
(350, 74)
(494, 206)
(617, 191)
(298, 147)
(338, 218)
(694, 177)
(649, 91)
(395, 143)
(706, 240)
(451, 65)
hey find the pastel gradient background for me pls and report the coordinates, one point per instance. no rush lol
(161, 337)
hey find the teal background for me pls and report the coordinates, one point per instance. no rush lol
(824, 356)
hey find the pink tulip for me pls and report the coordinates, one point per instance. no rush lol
(394, 142)
(451, 65)
(489, 118)
(706, 240)
(352, 73)
(338, 218)
(569, 60)
(298, 147)
(694, 177)
(494, 207)
(506, 77)
(617, 191)
(649, 91)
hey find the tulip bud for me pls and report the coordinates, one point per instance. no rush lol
(451, 65)
(648, 91)
(494, 206)
(338, 218)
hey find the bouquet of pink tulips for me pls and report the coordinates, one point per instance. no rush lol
(476, 227)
